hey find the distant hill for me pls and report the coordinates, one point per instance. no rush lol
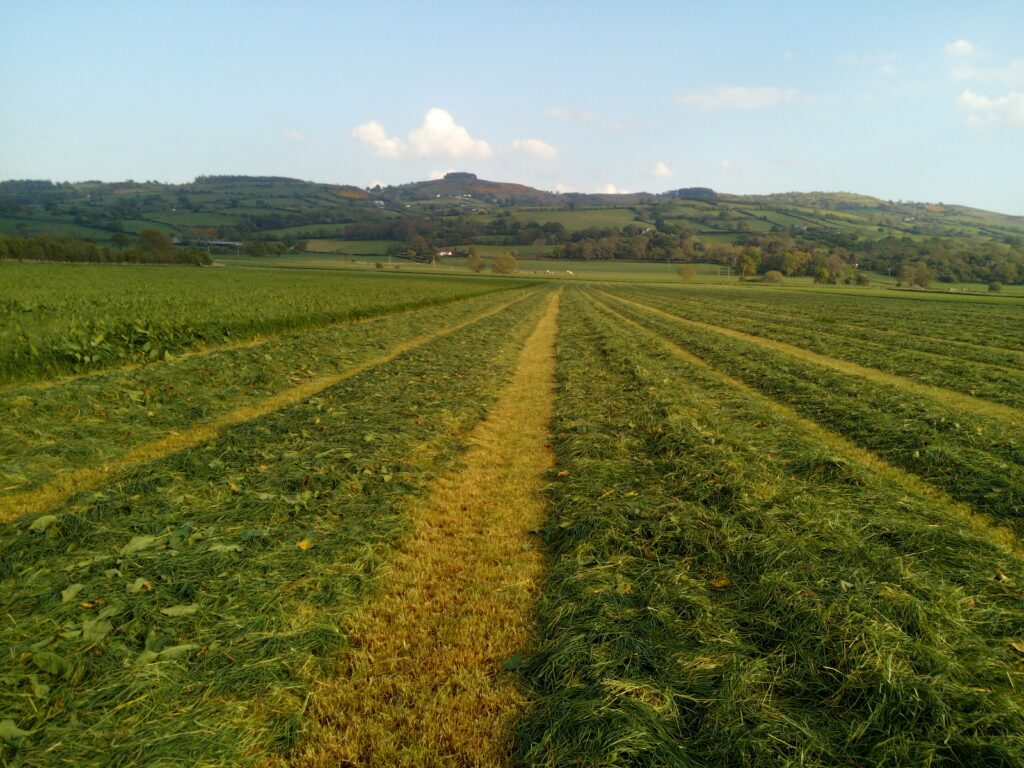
(466, 186)
(462, 207)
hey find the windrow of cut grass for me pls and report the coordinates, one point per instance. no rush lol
(725, 591)
(758, 306)
(997, 530)
(996, 378)
(984, 321)
(89, 422)
(58, 319)
(974, 458)
(180, 614)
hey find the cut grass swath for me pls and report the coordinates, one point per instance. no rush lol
(724, 592)
(125, 448)
(179, 615)
(975, 458)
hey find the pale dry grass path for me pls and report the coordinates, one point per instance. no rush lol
(425, 682)
(939, 394)
(40, 499)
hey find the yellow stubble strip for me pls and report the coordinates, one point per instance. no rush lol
(424, 681)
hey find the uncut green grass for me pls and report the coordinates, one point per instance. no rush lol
(58, 319)
(122, 680)
(976, 459)
(999, 377)
(725, 592)
(86, 421)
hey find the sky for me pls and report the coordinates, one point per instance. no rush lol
(919, 101)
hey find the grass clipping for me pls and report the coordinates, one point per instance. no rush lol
(425, 684)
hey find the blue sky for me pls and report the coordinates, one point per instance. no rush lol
(913, 100)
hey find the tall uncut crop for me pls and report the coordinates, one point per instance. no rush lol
(57, 319)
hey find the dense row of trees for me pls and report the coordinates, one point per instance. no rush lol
(151, 248)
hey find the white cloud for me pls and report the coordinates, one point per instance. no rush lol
(983, 110)
(737, 97)
(438, 175)
(377, 183)
(441, 136)
(661, 170)
(726, 165)
(960, 49)
(293, 135)
(535, 147)
(611, 189)
(438, 136)
(561, 188)
(373, 133)
(559, 113)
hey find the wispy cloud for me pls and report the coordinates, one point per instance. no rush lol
(964, 57)
(661, 170)
(885, 64)
(585, 117)
(960, 49)
(726, 165)
(611, 189)
(983, 110)
(293, 135)
(438, 136)
(1010, 74)
(536, 148)
(730, 97)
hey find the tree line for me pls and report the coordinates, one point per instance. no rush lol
(151, 248)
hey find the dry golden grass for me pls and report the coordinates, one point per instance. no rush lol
(939, 394)
(26, 502)
(424, 683)
(973, 519)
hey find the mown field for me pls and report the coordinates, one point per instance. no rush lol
(781, 526)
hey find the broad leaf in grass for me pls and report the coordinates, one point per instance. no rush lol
(94, 630)
(139, 585)
(49, 662)
(11, 733)
(177, 651)
(137, 544)
(180, 610)
(42, 523)
(69, 594)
